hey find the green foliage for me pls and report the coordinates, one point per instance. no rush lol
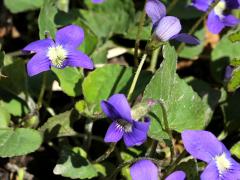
(234, 37)
(73, 163)
(46, 19)
(235, 150)
(17, 6)
(59, 125)
(234, 82)
(18, 142)
(70, 80)
(5, 118)
(184, 107)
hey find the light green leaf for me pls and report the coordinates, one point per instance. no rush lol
(108, 80)
(18, 142)
(185, 108)
(16, 6)
(59, 125)
(70, 80)
(73, 163)
(234, 82)
(46, 18)
(5, 117)
(235, 150)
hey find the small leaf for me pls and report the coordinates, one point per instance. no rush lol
(235, 150)
(234, 82)
(70, 80)
(59, 125)
(46, 19)
(73, 163)
(16, 6)
(234, 37)
(18, 142)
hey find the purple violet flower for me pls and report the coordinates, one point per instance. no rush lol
(166, 27)
(143, 170)
(59, 53)
(205, 146)
(228, 72)
(177, 175)
(97, 1)
(132, 131)
(220, 16)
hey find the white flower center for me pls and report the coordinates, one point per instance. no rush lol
(222, 162)
(57, 55)
(125, 125)
(219, 8)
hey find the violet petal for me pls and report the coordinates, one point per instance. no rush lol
(110, 111)
(114, 133)
(168, 27)
(76, 58)
(186, 38)
(120, 103)
(230, 20)
(210, 172)
(234, 172)
(138, 135)
(232, 4)
(155, 10)
(70, 36)
(39, 45)
(177, 175)
(202, 145)
(214, 23)
(97, 1)
(202, 5)
(38, 63)
(144, 170)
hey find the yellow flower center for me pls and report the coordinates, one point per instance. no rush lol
(223, 163)
(57, 55)
(219, 8)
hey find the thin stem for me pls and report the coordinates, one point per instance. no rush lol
(166, 125)
(88, 134)
(137, 42)
(126, 163)
(106, 154)
(172, 5)
(195, 26)
(41, 94)
(154, 59)
(152, 149)
(136, 77)
(174, 165)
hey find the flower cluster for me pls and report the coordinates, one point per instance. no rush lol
(166, 27)
(220, 16)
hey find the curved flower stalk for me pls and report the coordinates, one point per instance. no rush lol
(220, 16)
(166, 28)
(146, 169)
(205, 146)
(59, 53)
(123, 125)
(97, 1)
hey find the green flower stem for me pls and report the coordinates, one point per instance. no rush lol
(41, 94)
(172, 5)
(106, 154)
(137, 42)
(166, 125)
(174, 165)
(126, 163)
(195, 26)
(154, 59)
(88, 134)
(133, 85)
(152, 149)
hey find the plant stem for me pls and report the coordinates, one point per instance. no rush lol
(106, 154)
(41, 94)
(195, 26)
(152, 149)
(133, 85)
(166, 125)
(126, 163)
(172, 5)
(137, 42)
(154, 59)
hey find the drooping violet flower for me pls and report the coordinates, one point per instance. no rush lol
(205, 146)
(143, 170)
(97, 1)
(166, 27)
(59, 53)
(220, 16)
(123, 125)
(177, 175)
